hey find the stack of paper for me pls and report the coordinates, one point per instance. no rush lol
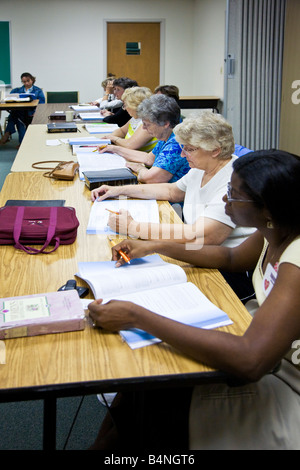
(88, 148)
(142, 210)
(79, 108)
(101, 128)
(91, 116)
(16, 98)
(86, 140)
(156, 285)
(90, 161)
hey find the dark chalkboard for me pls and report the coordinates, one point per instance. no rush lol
(5, 75)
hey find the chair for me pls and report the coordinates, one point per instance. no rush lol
(62, 97)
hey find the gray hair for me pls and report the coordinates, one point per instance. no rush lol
(207, 130)
(160, 109)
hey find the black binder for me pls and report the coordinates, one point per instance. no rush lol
(115, 177)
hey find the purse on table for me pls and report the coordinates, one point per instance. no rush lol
(31, 225)
(63, 171)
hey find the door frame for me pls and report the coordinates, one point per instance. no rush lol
(162, 23)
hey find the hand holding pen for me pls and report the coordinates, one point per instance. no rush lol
(100, 147)
(121, 252)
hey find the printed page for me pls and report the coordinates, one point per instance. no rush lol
(140, 209)
(149, 272)
(101, 128)
(184, 303)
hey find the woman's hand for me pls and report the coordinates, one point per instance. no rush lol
(105, 112)
(115, 315)
(105, 192)
(120, 222)
(133, 249)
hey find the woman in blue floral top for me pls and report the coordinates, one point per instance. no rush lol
(164, 164)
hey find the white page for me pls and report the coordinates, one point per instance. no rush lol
(89, 161)
(101, 128)
(91, 116)
(141, 210)
(184, 303)
(84, 108)
(88, 147)
(149, 272)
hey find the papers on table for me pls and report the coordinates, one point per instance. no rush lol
(81, 108)
(141, 210)
(87, 140)
(101, 128)
(17, 98)
(91, 116)
(89, 161)
(53, 142)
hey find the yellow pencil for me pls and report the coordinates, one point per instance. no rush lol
(100, 148)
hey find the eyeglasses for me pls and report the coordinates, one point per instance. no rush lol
(232, 199)
(188, 151)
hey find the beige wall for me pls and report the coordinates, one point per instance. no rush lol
(62, 42)
(290, 104)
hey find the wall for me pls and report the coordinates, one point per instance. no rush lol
(62, 42)
(290, 101)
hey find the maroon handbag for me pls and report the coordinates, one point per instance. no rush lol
(34, 225)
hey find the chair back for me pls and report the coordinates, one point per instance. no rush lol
(62, 96)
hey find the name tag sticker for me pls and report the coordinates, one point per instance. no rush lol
(269, 279)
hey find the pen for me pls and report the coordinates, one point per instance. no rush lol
(121, 253)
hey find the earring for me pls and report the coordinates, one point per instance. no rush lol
(270, 224)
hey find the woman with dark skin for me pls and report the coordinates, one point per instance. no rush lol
(264, 192)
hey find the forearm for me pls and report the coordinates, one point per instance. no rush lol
(215, 257)
(133, 155)
(216, 349)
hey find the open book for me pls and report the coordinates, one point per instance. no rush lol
(142, 210)
(156, 285)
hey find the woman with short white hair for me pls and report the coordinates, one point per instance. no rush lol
(132, 135)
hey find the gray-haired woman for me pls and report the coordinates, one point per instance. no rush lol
(160, 114)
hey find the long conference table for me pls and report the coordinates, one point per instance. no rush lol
(90, 361)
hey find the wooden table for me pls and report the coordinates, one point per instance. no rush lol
(199, 102)
(43, 112)
(89, 361)
(5, 106)
(34, 149)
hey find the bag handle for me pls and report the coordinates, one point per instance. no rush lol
(35, 165)
(50, 234)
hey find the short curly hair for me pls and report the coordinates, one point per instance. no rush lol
(134, 96)
(207, 130)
